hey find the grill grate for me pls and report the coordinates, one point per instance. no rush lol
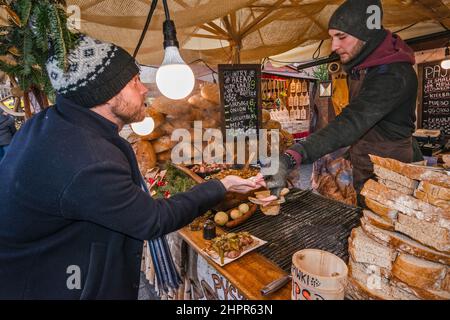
(307, 220)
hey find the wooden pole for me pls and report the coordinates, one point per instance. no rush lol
(236, 54)
(26, 105)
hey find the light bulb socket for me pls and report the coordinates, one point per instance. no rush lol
(447, 52)
(170, 34)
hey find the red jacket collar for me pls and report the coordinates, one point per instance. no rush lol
(393, 49)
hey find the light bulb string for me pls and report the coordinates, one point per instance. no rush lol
(166, 10)
(147, 23)
(204, 62)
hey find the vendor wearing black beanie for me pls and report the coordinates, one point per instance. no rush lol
(353, 18)
(380, 117)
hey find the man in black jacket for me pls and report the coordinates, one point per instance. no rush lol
(7, 130)
(71, 196)
(380, 117)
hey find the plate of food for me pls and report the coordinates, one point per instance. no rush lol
(231, 246)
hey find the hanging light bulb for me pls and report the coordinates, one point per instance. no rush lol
(445, 64)
(174, 77)
(144, 127)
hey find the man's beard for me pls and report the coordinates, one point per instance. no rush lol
(356, 50)
(126, 112)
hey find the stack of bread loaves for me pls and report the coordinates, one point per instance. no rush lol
(202, 105)
(402, 249)
(168, 115)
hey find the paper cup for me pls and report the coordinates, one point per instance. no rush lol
(318, 275)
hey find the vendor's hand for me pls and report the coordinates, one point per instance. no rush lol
(278, 181)
(239, 185)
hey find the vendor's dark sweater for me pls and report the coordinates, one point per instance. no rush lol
(70, 197)
(386, 101)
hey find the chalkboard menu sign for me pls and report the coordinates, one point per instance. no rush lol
(435, 97)
(240, 92)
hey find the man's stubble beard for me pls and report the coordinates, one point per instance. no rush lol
(355, 52)
(122, 110)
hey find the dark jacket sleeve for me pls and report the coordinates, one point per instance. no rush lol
(12, 125)
(104, 193)
(379, 95)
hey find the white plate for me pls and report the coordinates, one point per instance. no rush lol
(215, 257)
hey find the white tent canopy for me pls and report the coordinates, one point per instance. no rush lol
(305, 53)
(220, 31)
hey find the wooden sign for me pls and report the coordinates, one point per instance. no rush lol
(434, 95)
(240, 92)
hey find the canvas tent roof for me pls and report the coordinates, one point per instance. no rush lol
(288, 30)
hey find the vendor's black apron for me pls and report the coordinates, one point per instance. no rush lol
(373, 143)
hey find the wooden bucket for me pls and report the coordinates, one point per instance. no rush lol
(318, 275)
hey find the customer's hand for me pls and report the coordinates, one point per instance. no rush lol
(239, 185)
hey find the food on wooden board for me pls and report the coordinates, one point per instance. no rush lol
(221, 218)
(209, 167)
(235, 216)
(243, 173)
(244, 208)
(198, 222)
(229, 245)
(235, 213)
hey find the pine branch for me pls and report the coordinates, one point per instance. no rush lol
(9, 68)
(27, 52)
(34, 25)
(24, 10)
(41, 24)
(57, 38)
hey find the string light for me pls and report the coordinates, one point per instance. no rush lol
(144, 127)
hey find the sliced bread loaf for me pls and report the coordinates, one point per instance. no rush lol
(435, 195)
(424, 294)
(365, 250)
(395, 186)
(419, 273)
(444, 204)
(372, 284)
(406, 204)
(404, 244)
(426, 233)
(387, 213)
(378, 221)
(398, 179)
(412, 171)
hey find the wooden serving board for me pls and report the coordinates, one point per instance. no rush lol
(249, 274)
(237, 222)
(189, 173)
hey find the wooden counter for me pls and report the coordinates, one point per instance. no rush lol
(249, 274)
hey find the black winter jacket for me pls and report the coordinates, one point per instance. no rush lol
(386, 101)
(71, 198)
(7, 129)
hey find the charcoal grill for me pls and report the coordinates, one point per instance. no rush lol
(307, 220)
